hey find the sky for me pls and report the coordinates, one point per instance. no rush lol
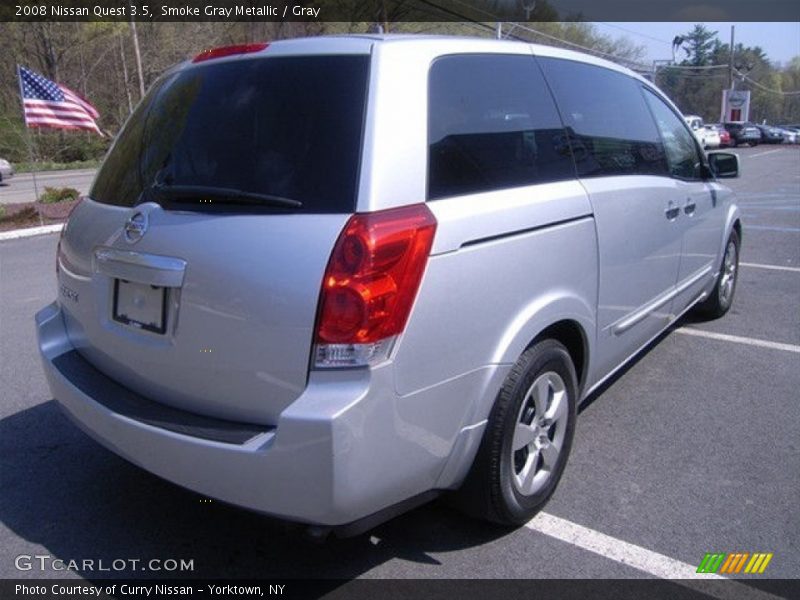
(781, 41)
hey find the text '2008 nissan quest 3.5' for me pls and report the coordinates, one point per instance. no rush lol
(328, 278)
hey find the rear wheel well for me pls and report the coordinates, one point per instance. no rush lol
(737, 225)
(572, 336)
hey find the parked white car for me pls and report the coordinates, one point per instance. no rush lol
(706, 135)
(711, 137)
(6, 170)
(790, 136)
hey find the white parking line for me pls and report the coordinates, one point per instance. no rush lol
(770, 267)
(724, 337)
(764, 153)
(652, 563)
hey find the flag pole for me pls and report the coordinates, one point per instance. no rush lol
(30, 147)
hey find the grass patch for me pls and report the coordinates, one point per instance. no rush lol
(51, 195)
(27, 167)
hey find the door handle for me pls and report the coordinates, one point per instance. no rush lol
(690, 207)
(672, 211)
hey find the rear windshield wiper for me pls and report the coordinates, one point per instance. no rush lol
(198, 193)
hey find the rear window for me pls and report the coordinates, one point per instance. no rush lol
(286, 126)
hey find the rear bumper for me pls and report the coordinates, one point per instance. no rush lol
(347, 448)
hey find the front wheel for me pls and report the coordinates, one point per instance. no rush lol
(721, 298)
(527, 440)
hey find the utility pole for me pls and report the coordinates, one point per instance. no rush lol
(138, 56)
(731, 80)
(125, 74)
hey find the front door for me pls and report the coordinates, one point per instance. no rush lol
(700, 218)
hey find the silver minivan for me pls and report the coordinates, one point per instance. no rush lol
(330, 278)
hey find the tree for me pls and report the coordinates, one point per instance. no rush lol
(790, 81)
(578, 35)
(699, 91)
(698, 44)
(695, 91)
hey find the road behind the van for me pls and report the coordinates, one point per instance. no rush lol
(22, 187)
(693, 449)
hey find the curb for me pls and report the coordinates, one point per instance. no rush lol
(30, 232)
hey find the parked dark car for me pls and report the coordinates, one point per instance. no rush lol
(743, 133)
(770, 134)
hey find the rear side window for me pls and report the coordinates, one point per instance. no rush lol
(492, 124)
(283, 126)
(118, 181)
(610, 128)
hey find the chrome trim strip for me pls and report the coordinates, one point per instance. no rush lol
(627, 322)
(586, 393)
(151, 269)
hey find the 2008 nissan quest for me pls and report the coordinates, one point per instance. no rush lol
(326, 279)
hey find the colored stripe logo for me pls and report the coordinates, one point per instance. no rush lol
(735, 562)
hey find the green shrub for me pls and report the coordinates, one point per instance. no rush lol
(2, 211)
(51, 195)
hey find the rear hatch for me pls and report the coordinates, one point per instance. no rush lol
(192, 272)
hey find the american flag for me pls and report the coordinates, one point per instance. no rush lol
(49, 104)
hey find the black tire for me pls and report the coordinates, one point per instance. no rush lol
(733, 143)
(721, 298)
(752, 144)
(492, 489)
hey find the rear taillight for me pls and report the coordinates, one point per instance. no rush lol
(370, 284)
(229, 51)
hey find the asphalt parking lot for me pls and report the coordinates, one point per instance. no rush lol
(692, 449)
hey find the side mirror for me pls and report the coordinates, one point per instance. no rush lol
(724, 165)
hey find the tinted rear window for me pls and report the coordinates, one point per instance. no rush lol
(283, 126)
(492, 124)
